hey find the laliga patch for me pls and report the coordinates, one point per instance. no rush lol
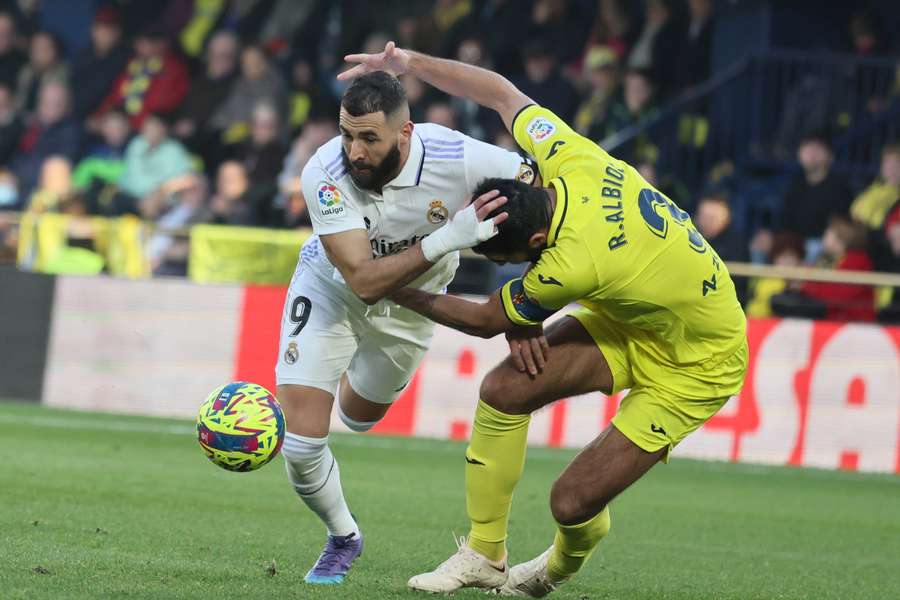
(540, 128)
(329, 200)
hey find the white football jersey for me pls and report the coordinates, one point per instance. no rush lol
(442, 169)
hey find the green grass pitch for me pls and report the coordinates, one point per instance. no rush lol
(105, 506)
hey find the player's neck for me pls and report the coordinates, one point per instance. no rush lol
(551, 203)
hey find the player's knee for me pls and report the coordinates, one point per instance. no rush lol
(354, 424)
(570, 505)
(498, 390)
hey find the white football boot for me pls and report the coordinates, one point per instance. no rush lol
(530, 579)
(466, 568)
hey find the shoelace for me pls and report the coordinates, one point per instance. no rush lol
(460, 542)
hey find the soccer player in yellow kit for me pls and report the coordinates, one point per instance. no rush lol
(659, 317)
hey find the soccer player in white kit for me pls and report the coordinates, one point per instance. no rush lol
(386, 199)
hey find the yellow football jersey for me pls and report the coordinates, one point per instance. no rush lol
(626, 252)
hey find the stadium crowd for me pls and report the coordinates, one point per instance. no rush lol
(205, 111)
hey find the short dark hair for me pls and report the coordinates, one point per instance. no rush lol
(528, 213)
(816, 136)
(374, 92)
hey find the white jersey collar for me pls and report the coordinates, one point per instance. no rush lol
(411, 172)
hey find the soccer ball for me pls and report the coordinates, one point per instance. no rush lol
(240, 426)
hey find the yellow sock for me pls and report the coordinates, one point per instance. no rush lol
(574, 544)
(494, 461)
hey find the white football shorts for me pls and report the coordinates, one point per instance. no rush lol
(326, 331)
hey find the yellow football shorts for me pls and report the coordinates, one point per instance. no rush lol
(664, 404)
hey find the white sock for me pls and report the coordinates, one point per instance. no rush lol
(314, 473)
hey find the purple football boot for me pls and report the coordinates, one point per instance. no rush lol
(338, 555)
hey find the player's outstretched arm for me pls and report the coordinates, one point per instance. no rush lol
(455, 78)
(482, 319)
(371, 279)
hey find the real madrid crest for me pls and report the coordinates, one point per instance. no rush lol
(437, 212)
(291, 354)
(526, 173)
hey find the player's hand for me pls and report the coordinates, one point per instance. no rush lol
(467, 228)
(487, 203)
(528, 348)
(393, 60)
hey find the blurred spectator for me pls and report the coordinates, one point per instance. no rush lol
(475, 120)
(287, 18)
(415, 96)
(543, 82)
(51, 131)
(843, 251)
(10, 125)
(9, 193)
(447, 13)
(872, 205)
(420, 31)
(151, 159)
(713, 220)
(54, 184)
(602, 75)
(613, 28)
(262, 155)
(96, 67)
(104, 163)
(696, 52)
(155, 80)
(891, 312)
(45, 64)
(788, 250)
(657, 47)
(843, 246)
(208, 91)
(499, 23)
(637, 104)
(168, 251)
(290, 196)
(259, 82)
(866, 34)
(233, 203)
(816, 195)
(11, 57)
(441, 113)
(307, 98)
(564, 25)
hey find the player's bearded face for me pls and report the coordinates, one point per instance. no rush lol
(369, 175)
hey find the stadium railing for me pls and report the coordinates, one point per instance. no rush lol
(754, 112)
(247, 248)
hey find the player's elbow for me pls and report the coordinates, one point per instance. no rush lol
(367, 291)
(367, 294)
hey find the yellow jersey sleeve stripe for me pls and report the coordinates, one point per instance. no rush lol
(512, 125)
(562, 199)
(519, 308)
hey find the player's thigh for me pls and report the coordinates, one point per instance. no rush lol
(576, 365)
(379, 372)
(600, 472)
(316, 346)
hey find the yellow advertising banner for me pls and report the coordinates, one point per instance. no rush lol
(229, 254)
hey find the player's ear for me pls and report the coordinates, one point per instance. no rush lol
(406, 130)
(537, 240)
